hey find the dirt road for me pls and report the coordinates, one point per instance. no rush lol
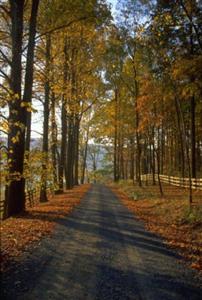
(102, 252)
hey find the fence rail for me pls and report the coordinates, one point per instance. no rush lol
(32, 196)
(31, 199)
(177, 181)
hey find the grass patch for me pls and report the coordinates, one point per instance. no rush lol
(193, 216)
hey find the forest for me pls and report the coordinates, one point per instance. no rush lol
(76, 76)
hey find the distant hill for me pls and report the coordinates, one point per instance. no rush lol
(36, 143)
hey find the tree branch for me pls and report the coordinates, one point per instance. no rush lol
(5, 57)
(191, 22)
(5, 89)
(1, 130)
(3, 117)
(37, 132)
(5, 9)
(5, 75)
(63, 26)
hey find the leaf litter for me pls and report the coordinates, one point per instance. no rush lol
(168, 217)
(24, 232)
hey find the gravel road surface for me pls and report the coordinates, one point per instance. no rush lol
(101, 252)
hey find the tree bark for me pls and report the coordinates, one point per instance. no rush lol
(192, 100)
(158, 162)
(115, 136)
(186, 148)
(63, 157)
(180, 140)
(138, 153)
(63, 145)
(15, 192)
(27, 97)
(153, 157)
(193, 138)
(85, 157)
(43, 191)
(132, 173)
(70, 153)
(54, 141)
(76, 159)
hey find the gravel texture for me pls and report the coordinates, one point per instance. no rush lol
(99, 252)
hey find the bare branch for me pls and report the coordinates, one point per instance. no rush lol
(192, 23)
(5, 9)
(5, 75)
(64, 26)
(3, 117)
(37, 132)
(1, 130)
(128, 86)
(5, 57)
(5, 89)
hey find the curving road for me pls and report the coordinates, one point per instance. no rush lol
(102, 252)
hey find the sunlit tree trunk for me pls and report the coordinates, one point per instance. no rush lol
(182, 122)
(54, 141)
(43, 191)
(76, 159)
(70, 153)
(132, 173)
(158, 162)
(63, 152)
(138, 151)
(116, 137)
(85, 156)
(180, 134)
(27, 97)
(193, 139)
(153, 157)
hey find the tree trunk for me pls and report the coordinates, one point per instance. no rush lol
(63, 157)
(180, 139)
(162, 148)
(158, 163)
(193, 138)
(85, 157)
(27, 97)
(76, 159)
(63, 145)
(70, 153)
(138, 153)
(43, 191)
(132, 173)
(115, 136)
(186, 149)
(153, 157)
(192, 104)
(15, 192)
(54, 141)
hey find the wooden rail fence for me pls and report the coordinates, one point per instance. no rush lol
(177, 181)
(31, 199)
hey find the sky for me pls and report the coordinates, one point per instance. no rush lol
(113, 8)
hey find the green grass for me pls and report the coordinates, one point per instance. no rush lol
(193, 216)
